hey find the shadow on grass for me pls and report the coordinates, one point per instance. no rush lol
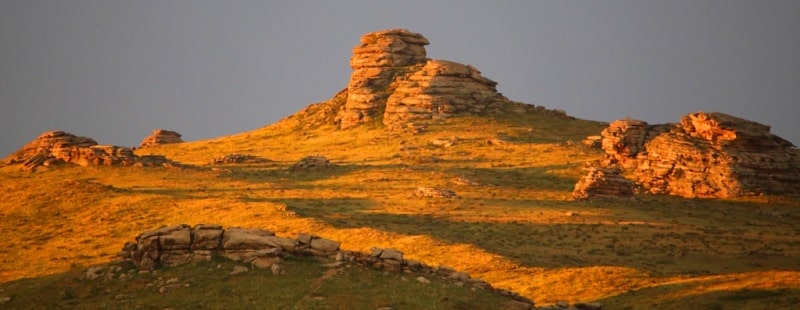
(568, 241)
(520, 178)
(657, 297)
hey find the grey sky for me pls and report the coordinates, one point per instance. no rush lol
(115, 70)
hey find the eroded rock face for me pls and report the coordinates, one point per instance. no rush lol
(182, 244)
(707, 155)
(312, 163)
(437, 90)
(393, 78)
(56, 147)
(161, 136)
(603, 183)
(381, 56)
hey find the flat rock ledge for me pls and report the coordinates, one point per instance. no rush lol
(183, 244)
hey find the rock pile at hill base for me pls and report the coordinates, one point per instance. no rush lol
(603, 183)
(161, 136)
(182, 244)
(58, 147)
(706, 155)
(394, 81)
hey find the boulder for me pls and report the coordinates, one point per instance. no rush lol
(312, 163)
(161, 136)
(236, 238)
(58, 147)
(706, 155)
(602, 183)
(324, 245)
(207, 237)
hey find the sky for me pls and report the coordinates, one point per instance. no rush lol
(115, 70)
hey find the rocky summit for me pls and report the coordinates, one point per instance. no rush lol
(57, 147)
(706, 155)
(395, 82)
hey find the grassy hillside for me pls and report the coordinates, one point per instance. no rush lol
(512, 223)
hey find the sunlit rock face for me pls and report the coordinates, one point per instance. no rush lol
(161, 136)
(707, 155)
(393, 80)
(59, 147)
(381, 57)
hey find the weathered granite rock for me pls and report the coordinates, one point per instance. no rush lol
(438, 90)
(168, 246)
(161, 136)
(603, 183)
(707, 155)
(58, 147)
(312, 163)
(393, 80)
(376, 61)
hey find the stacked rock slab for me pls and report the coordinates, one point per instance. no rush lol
(707, 155)
(440, 89)
(54, 147)
(181, 244)
(603, 183)
(161, 136)
(376, 62)
(393, 78)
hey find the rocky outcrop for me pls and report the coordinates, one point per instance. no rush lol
(393, 81)
(603, 183)
(238, 159)
(438, 90)
(182, 244)
(57, 147)
(707, 155)
(312, 163)
(381, 56)
(161, 136)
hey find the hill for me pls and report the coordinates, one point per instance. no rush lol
(512, 222)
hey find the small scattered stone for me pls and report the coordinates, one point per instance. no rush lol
(5, 299)
(431, 192)
(423, 280)
(277, 269)
(238, 269)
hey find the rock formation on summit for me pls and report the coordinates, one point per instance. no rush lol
(707, 155)
(161, 136)
(393, 80)
(55, 147)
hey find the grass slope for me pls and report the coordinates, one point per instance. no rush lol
(511, 227)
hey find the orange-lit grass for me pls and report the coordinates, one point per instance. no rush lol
(512, 228)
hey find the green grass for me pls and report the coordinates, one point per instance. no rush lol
(307, 284)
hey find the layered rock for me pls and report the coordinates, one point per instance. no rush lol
(161, 136)
(603, 183)
(440, 89)
(376, 62)
(56, 147)
(392, 79)
(182, 244)
(312, 163)
(707, 155)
